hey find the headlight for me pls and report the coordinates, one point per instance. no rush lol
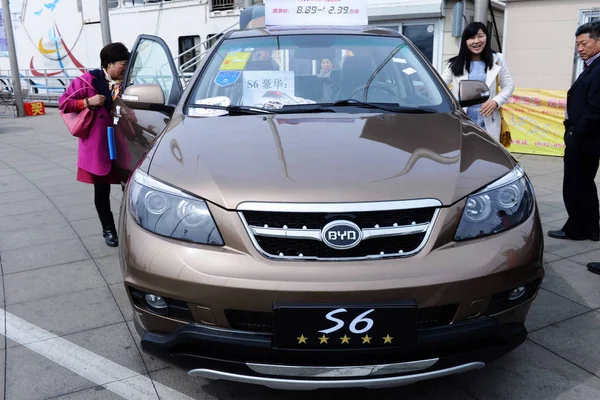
(169, 212)
(504, 204)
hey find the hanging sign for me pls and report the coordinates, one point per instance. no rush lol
(316, 12)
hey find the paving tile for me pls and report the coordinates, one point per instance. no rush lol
(118, 291)
(29, 376)
(65, 179)
(2, 382)
(37, 167)
(16, 186)
(7, 170)
(566, 248)
(97, 246)
(88, 227)
(550, 213)
(22, 196)
(47, 255)
(547, 182)
(76, 187)
(549, 257)
(113, 342)
(152, 363)
(52, 281)
(553, 199)
(573, 281)
(575, 340)
(533, 373)
(95, 393)
(541, 191)
(11, 178)
(50, 172)
(110, 269)
(36, 236)
(585, 258)
(558, 224)
(549, 308)
(26, 207)
(73, 199)
(71, 313)
(79, 212)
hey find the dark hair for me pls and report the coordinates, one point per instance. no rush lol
(593, 28)
(462, 61)
(112, 53)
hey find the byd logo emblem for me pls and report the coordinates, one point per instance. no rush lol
(341, 235)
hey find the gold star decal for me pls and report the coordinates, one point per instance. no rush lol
(323, 339)
(302, 339)
(345, 339)
(387, 339)
(366, 339)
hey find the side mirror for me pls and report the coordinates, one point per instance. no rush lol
(471, 93)
(144, 95)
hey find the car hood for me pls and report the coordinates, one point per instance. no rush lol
(328, 158)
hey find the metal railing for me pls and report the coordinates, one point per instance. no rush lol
(47, 87)
(224, 5)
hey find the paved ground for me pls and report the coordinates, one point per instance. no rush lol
(68, 326)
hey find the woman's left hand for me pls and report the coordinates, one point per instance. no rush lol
(488, 108)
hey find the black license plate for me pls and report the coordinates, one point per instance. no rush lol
(345, 326)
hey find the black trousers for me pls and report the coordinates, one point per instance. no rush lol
(102, 202)
(580, 193)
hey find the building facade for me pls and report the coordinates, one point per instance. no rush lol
(540, 41)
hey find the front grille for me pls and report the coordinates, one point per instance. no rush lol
(255, 321)
(295, 247)
(299, 235)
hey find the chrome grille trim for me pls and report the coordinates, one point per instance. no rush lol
(339, 207)
(315, 234)
(370, 233)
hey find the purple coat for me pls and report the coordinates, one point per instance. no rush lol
(93, 155)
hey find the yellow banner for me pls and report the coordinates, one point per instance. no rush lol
(536, 120)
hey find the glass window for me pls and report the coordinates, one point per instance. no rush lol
(303, 69)
(422, 36)
(151, 65)
(188, 43)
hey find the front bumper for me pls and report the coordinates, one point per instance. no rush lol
(250, 358)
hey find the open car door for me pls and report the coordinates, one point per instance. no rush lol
(151, 91)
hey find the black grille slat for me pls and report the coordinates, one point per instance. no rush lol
(400, 245)
(366, 219)
(313, 248)
(256, 321)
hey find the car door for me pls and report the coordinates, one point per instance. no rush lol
(151, 90)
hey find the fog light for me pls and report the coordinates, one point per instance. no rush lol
(156, 304)
(516, 293)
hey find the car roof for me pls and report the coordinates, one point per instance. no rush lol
(311, 30)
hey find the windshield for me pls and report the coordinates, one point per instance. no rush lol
(289, 70)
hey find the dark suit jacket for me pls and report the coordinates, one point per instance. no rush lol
(583, 108)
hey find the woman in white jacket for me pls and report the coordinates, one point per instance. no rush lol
(477, 61)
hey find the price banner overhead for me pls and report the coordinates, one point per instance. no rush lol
(316, 12)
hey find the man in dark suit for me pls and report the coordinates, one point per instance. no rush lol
(582, 140)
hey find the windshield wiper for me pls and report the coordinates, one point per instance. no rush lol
(235, 110)
(391, 107)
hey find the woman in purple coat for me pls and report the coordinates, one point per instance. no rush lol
(100, 90)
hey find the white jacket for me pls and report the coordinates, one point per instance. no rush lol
(507, 87)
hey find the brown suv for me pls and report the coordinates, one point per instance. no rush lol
(302, 229)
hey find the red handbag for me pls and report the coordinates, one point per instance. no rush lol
(79, 124)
